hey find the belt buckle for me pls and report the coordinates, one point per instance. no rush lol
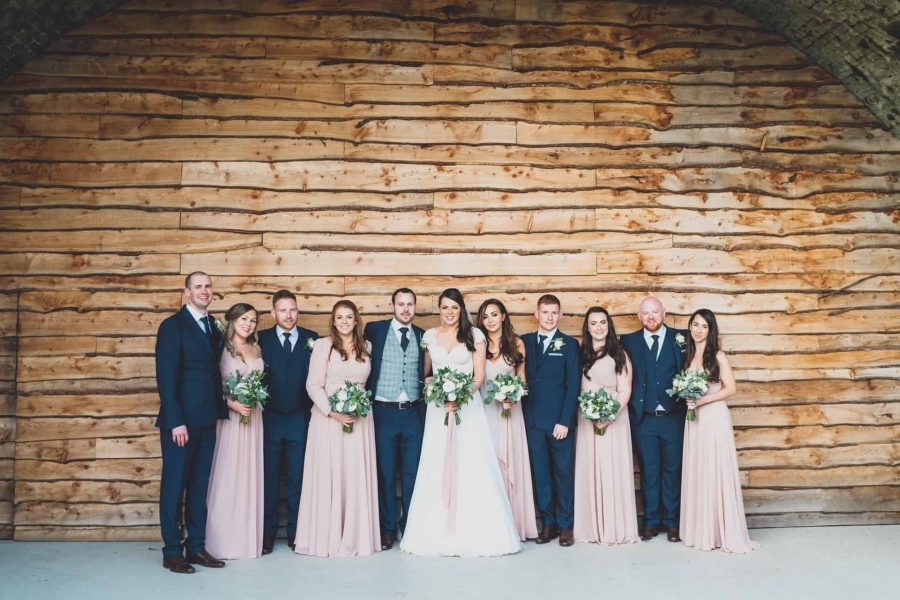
(659, 412)
(403, 405)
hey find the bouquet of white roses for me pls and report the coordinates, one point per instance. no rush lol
(351, 399)
(249, 390)
(508, 387)
(690, 385)
(448, 385)
(598, 406)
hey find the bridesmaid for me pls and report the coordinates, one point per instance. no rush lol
(234, 523)
(339, 499)
(506, 355)
(605, 510)
(712, 509)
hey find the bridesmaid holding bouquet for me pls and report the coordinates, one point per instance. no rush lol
(506, 356)
(234, 523)
(712, 508)
(605, 510)
(339, 500)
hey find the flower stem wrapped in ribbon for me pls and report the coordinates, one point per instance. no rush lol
(248, 390)
(509, 387)
(690, 385)
(351, 399)
(449, 385)
(598, 406)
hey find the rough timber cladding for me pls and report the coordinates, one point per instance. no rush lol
(601, 150)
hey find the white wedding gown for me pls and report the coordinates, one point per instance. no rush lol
(481, 524)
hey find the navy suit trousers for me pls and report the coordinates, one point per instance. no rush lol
(284, 443)
(398, 443)
(659, 441)
(553, 469)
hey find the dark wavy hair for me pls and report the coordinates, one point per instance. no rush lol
(508, 349)
(359, 341)
(232, 315)
(464, 333)
(710, 364)
(612, 347)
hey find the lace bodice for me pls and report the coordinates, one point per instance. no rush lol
(458, 358)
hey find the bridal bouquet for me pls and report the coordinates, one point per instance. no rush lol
(249, 390)
(448, 385)
(506, 387)
(351, 399)
(598, 406)
(690, 385)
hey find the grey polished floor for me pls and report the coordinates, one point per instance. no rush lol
(850, 563)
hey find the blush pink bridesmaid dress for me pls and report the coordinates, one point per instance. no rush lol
(712, 507)
(339, 498)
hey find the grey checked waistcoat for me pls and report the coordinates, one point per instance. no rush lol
(399, 369)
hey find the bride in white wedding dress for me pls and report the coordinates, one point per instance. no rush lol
(459, 506)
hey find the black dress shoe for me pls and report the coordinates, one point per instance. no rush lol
(648, 533)
(387, 541)
(268, 545)
(205, 559)
(566, 537)
(290, 543)
(548, 533)
(177, 564)
(672, 534)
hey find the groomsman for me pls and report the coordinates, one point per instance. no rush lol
(188, 349)
(657, 420)
(286, 349)
(554, 382)
(395, 381)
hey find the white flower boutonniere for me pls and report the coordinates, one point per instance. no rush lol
(310, 343)
(679, 340)
(219, 325)
(557, 344)
(423, 344)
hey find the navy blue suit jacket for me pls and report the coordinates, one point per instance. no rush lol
(634, 343)
(187, 373)
(376, 332)
(286, 374)
(554, 382)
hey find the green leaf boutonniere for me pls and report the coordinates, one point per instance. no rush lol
(310, 343)
(219, 324)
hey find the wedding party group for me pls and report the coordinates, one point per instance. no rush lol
(455, 441)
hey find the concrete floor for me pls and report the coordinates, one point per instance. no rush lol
(817, 563)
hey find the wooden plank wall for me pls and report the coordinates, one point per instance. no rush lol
(600, 150)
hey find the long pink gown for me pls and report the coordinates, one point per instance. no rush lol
(508, 435)
(712, 507)
(605, 510)
(234, 521)
(339, 502)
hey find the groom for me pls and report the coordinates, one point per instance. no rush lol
(398, 370)
(657, 420)
(554, 382)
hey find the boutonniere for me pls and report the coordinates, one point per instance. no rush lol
(557, 344)
(679, 340)
(219, 325)
(423, 344)
(310, 343)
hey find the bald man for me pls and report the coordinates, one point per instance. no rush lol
(657, 421)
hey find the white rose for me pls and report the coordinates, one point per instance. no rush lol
(451, 398)
(342, 395)
(449, 386)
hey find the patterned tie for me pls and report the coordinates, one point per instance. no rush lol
(654, 348)
(287, 341)
(404, 338)
(541, 339)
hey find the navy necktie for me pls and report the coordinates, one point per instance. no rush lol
(541, 339)
(404, 338)
(287, 341)
(654, 348)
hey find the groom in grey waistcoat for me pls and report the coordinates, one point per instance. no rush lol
(398, 411)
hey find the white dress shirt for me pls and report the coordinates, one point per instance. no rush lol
(197, 316)
(547, 339)
(294, 336)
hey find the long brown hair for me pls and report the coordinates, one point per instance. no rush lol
(464, 333)
(233, 314)
(359, 341)
(710, 363)
(612, 347)
(508, 349)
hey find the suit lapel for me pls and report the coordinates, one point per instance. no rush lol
(193, 326)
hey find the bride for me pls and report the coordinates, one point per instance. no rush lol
(459, 506)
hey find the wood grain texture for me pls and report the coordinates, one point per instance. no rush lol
(599, 150)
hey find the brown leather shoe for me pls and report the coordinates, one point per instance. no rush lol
(648, 533)
(205, 559)
(387, 541)
(548, 533)
(177, 564)
(672, 534)
(566, 537)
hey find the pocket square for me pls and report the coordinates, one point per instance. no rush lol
(554, 354)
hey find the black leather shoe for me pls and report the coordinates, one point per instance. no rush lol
(648, 533)
(672, 534)
(387, 541)
(290, 543)
(548, 533)
(205, 559)
(566, 537)
(268, 545)
(177, 564)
